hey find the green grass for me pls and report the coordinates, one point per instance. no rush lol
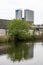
(28, 37)
(3, 39)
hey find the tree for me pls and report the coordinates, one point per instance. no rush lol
(18, 28)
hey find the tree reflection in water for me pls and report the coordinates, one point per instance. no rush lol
(20, 51)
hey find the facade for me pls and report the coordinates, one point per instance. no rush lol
(3, 27)
(18, 14)
(29, 16)
(2, 32)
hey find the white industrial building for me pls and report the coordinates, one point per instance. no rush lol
(18, 14)
(29, 16)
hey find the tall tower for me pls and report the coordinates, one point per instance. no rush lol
(29, 16)
(18, 14)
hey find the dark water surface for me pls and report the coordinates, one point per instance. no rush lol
(22, 54)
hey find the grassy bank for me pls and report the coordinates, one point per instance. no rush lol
(5, 39)
(35, 38)
(32, 37)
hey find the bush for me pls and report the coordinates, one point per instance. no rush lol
(3, 38)
(18, 29)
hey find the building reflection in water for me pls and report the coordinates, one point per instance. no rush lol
(20, 51)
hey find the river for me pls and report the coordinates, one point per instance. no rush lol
(22, 54)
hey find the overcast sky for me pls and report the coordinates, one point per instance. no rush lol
(7, 8)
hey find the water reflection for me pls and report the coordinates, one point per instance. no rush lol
(20, 51)
(26, 53)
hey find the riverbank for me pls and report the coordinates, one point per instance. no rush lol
(5, 39)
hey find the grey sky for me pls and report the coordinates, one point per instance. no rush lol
(7, 8)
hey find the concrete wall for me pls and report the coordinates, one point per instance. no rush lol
(2, 32)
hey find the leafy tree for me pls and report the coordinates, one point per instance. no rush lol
(18, 28)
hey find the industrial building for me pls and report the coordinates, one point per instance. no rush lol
(29, 16)
(18, 14)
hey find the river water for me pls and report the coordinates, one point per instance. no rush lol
(22, 54)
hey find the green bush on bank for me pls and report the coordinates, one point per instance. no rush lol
(3, 39)
(18, 29)
(25, 37)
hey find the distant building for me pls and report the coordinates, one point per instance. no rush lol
(29, 16)
(18, 14)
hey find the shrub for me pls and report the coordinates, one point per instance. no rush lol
(18, 29)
